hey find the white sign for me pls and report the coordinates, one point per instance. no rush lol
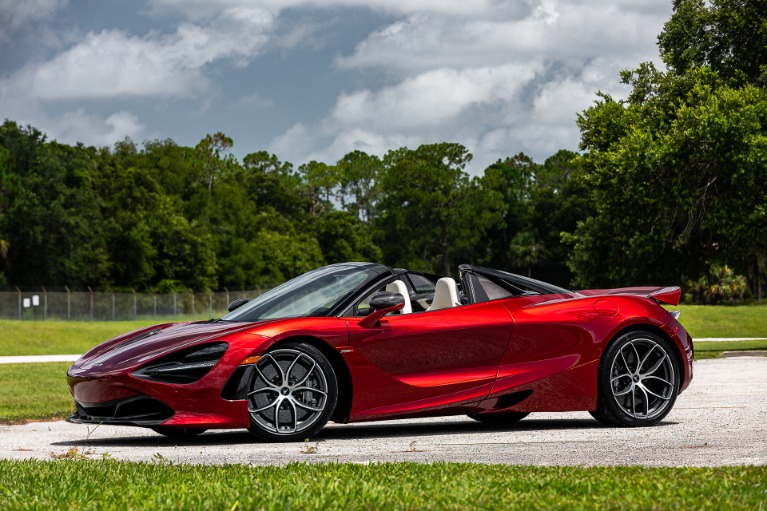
(27, 303)
(36, 300)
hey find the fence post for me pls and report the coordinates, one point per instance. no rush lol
(113, 305)
(135, 308)
(69, 303)
(174, 305)
(90, 292)
(19, 292)
(193, 312)
(154, 299)
(45, 304)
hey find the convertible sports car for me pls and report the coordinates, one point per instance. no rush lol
(360, 341)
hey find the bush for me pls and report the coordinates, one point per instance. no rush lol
(720, 286)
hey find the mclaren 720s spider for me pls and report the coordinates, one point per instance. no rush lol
(356, 342)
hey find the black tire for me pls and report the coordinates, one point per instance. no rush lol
(500, 418)
(292, 393)
(178, 433)
(638, 381)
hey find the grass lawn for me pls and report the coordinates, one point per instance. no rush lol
(34, 391)
(60, 337)
(65, 337)
(723, 321)
(68, 484)
(38, 391)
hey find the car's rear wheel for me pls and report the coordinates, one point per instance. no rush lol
(178, 433)
(292, 394)
(500, 418)
(638, 381)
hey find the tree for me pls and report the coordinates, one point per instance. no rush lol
(344, 237)
(270, 258)
(9, 183)
(129, 202)
(212, 156)
(430, 211)
(212, 153)
(320, 182)
(358, 175)
(559, 199)
(727, 36)
(678, 178)
(512, 181)
(175, 168)
(52, 217)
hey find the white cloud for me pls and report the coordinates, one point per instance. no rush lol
(112, 63)
(499, 76)
(432, 98)
(555, 30)
(204, 8)
(16, 13)
(78, 125)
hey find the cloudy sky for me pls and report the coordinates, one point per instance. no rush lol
(316, 79)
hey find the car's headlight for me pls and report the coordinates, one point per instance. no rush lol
(185, 366)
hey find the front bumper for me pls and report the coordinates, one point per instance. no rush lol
(133, 411)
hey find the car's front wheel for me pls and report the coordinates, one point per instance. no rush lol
(292, 394)
(638, 381)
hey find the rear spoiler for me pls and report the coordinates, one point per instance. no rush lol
(669, 295)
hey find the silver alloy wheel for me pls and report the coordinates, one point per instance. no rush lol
(642, 379)
(289, 392)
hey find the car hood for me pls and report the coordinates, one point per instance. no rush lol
(140, 346)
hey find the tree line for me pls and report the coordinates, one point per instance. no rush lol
(163, 216)
(669, 187)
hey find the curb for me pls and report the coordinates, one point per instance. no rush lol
(37, 359)
(728, 339)
(754, 353)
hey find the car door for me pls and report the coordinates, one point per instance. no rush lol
(412, 364)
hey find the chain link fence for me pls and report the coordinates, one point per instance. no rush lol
(106, 306)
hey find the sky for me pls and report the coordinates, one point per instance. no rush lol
(317, 79)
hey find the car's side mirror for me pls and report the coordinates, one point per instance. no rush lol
(382, 304)
(236, 304)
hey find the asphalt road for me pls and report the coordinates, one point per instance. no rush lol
(719, 420)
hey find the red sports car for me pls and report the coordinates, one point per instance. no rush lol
(360, 341)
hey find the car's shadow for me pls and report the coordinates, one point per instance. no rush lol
(351, 432)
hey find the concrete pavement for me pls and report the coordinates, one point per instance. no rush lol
(719, 420)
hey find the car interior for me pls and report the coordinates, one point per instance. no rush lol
(424, 292)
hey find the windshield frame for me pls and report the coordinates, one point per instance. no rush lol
(301, 295)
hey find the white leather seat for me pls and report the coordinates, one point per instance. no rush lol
(445, 294)
(399, 287)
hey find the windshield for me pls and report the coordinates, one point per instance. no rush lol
(312, 294)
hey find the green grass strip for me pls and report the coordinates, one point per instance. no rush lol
(65, 337)
(34, 391)
(107, 485)
(59, 337)
(723, 320)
